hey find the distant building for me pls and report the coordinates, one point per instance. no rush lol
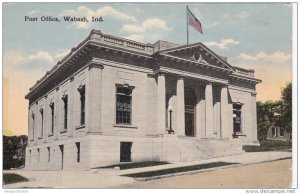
(278, 133)
(114, 100)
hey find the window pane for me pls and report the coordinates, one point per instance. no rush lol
(123, 105)
(237, 117)
(66, 112)
(82, 106)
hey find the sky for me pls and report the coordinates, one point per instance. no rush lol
(256, 36)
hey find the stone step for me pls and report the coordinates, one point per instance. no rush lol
(194, 149)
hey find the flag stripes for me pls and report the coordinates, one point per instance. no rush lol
(193, 21)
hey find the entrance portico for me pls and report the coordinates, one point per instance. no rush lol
(203, 78)
(200, 108)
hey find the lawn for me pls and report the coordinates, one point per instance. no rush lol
(178, 170)
(9, 178)
(269, 146)
(135, 165)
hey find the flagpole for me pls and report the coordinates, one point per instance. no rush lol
(187, 27)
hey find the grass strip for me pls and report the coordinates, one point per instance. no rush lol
(135, 165)
(9, 178)
(265, 148)
(178, 170)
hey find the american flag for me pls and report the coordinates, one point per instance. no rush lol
(193, 21)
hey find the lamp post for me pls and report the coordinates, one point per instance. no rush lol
(15, 157)
(170, 131)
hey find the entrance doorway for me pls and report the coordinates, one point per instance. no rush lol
(125, 151)
(190, 101)
(61, 147)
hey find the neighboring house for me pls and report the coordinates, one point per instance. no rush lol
(278, 133)
(114, 100)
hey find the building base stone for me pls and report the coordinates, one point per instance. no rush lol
(98, 151)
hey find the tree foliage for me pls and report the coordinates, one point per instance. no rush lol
(286, 97)
(10, 146)
(277, 113)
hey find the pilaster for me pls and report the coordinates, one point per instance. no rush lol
(254, 118)
(71, 110)
(56, 113)
(46, 118)
(95, 93)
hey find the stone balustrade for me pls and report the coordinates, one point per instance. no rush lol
(121, 42)
(244, 72)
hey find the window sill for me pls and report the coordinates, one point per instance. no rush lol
(239, 134)
(125, 126)
(64, 131)
(79, 127)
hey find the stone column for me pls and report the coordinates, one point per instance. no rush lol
(209, 113)
(161, 104)
(217, 111)
(224, 131)
(254, 118)
(95, 93)
(180, 107)
(200, 113)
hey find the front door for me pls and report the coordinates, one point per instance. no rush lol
(190, 101)
(189, 122)
(125, 151)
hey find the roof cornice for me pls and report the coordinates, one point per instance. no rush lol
(249, 79)
(97, 38)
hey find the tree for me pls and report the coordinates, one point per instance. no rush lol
(10, 146)
(265, 117)
(286, 97)
(278, 113)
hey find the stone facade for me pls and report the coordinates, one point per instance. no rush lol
(112, 100)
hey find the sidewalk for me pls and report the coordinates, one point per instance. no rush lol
(104, 178)
(243, 159)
